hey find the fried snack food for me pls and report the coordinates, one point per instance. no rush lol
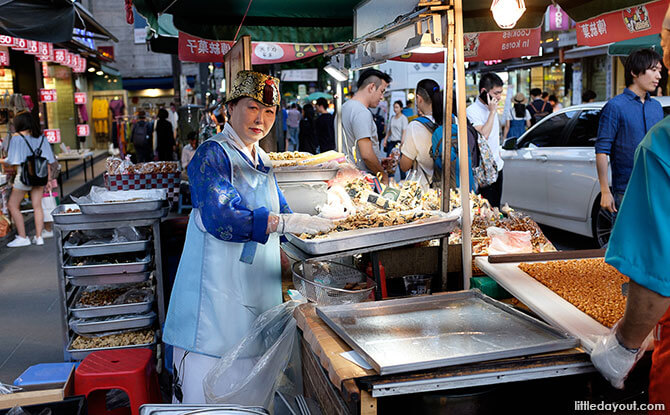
(591, 285)
(289, 155)
(366, 219)
(114, 340)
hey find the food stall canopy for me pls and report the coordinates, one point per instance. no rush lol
(48, 20)
(625, 47)
(294, 21)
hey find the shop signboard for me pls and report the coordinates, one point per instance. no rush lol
(623, 24)
(19, 44)
(80, 98)
(107, 52)
(53, 136)
(195, 49)
(48, 95)
(558, 19)
(4, 58)
(6, 40)
(300, 75)
(82, 65)
(69, 59)
(83, 130)
(45, 51)
(60, 56)
(32, 47)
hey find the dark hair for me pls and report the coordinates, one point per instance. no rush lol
(308, 111)
(372, 76)
(193, 135)
(535, 92)
(588, 95)
(489, 80)
(322, 102)
(519, 110)
(545, 94)
(429, 91)
(553, 98)
(24, 120)
(141, 114)
(162, 114)
(399, 102)
(638, 62)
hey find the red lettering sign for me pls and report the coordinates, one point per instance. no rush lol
(60, 56)
(616, 26)
(48, 95)
(6, 40)
(4, 58)
(46, 51)
(80, 98)
(83, 130)
(82, 65)
(32, 47)
(19, 44)
(53, 136)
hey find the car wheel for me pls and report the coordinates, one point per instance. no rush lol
(603, 221)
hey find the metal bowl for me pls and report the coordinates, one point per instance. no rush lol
(324, 282)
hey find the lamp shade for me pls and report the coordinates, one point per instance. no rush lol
(507, 12)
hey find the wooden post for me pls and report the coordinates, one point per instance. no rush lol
(463, 145)
(368, 403)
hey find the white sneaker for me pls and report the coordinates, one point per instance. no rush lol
(47, 234)
(38, 240)
(19, 241)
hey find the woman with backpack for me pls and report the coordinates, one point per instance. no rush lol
(418, 135)
(30, 151)
(517, 118)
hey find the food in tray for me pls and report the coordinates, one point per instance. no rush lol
(105, 260)
(117, 166)
(134, 199)
(365, 219)
(591, 285)
(114, 340)
(108, 296)
(289, 155)
(355, 286)
(70, 210)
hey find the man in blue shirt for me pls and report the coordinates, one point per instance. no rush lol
(624, 121)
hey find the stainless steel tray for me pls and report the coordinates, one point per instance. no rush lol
(106, 269)
(434, 227)
(114, 208)
(109, 279)
(107, 248)
(80, 354)
(109, 310)
(62, 218)
(139, 322)
(417, 333)
(291, 175)
(180, 409)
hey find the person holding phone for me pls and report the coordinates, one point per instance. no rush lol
(484, 117)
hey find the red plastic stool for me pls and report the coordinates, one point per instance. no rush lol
(131, 370)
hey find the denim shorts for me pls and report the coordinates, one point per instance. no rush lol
(18, 184)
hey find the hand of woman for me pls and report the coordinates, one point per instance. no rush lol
(298, 223)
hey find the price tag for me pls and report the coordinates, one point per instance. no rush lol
(53, 136)
(80, 98)
(83, 130)
(48, 95)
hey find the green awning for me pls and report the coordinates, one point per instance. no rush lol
(625, 47)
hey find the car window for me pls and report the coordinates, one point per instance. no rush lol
(586, 129)
(549, 132)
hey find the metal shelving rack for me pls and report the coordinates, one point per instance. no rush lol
(78, 222)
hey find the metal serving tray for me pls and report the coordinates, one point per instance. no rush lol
(426, 332)
(80, 354)
(62, 218)
(139, 322)
(109, 310)
(167, 409)
(107, 248)
(106, 269)
(433, 227)
(108, 279)
(292, 175)
(114, 208)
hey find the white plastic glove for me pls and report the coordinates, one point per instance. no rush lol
(612, 360)
(301, 223)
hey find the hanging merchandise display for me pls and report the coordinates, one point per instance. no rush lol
(99, 113)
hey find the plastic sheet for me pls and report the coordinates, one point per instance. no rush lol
(250, 373)
(508, 242)
(102, 195)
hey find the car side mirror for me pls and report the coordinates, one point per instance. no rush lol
(510, 143)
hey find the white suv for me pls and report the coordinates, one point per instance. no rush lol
(550, 171)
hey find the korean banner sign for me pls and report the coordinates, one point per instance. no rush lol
(83, 130)
(53, 136)
(32, 47)
(630, 23)
(48, 95)
(195, 49)
(60, 56)
(19, 44)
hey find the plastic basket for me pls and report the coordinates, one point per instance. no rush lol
(323, 282)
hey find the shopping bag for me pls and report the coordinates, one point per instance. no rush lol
(48, 205)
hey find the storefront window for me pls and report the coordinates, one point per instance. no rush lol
(554, 82)
(60, 114)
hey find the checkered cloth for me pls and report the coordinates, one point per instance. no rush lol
(169, 181)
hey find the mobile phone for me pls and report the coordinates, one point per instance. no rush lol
(484, 96)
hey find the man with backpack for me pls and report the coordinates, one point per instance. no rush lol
(142, 138)
(484, 117)
(538, 108)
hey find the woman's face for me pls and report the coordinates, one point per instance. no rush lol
(396, 109)
(251, 120)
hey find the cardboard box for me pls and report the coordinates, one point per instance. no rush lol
(34, 397)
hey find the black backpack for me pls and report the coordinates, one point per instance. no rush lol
(541, 112)
(141, 137)
(35, 170)
(380, 123)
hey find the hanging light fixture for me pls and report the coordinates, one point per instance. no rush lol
(338, 74)
(507, 12)
(426, 40)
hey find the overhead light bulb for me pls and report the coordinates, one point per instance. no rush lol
(91, 69)
(100, 73)
(507, 12)
(337, 74)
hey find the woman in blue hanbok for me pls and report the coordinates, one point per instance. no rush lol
(230, 269)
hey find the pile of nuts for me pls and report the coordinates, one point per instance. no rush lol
(114, 340)
(591, 285)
